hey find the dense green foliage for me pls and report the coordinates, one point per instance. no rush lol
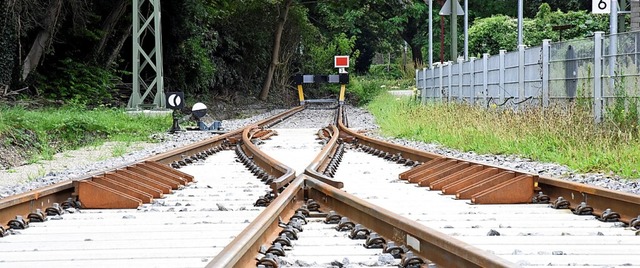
(565, 136)
(489, 35)
(77, 50)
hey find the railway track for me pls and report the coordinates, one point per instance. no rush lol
(403, 207)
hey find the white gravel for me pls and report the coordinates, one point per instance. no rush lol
(72, 164)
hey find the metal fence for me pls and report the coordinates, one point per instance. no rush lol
(600, 71)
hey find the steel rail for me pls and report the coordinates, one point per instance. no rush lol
(176, 154)
(25, 203)
(321, 161)
(284, 174)
(600, 199)
(428, 243)
(244, 248)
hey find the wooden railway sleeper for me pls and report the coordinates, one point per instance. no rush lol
(583, 209)
(345, 224)
(609, 216)
(560, 203)
(37, 216)
(269, 261)
(635, 223)
(411, 261)
(540, 198)
(374, 241)
(18, 223)
(394, 250)
(359, 232)
(332, 218)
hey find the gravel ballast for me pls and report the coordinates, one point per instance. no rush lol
(72, 165)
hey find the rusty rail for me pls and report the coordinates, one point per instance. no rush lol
(25, 203)
(321, 162)
(191, 149)
(242, 251)
(600, 199)
(427, 243)
(494, 184)
(284, 174)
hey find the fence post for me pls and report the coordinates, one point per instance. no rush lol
(432, 89)
(423, 93)
(485, 77)
(501, 76)
(441, 84)
(418, 79)
(472, 80)
(597, 76)
(545, 72)
(521, 93)
(460, 79)
(449, 80)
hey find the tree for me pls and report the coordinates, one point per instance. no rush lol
(282, 19)
(48, 25)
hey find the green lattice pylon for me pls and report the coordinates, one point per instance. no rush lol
(147, 21)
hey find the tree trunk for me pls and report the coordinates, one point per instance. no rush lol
(43, 39)
(416, 53)
(116, 51)
(108, 27)
(276, 51)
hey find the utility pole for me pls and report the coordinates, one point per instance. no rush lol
(454, 29)
(466, 30)
(520, 22)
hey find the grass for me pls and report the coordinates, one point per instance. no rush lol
(564, 136)
(120, 149)
(47, 131)
(362, 90)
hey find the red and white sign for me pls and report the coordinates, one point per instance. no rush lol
(341, 61)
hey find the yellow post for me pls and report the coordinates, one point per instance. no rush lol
(300, 95)
(342, 89)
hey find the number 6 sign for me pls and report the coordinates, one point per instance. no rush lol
(600, 6)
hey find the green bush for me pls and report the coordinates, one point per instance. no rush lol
(362, 90)
(380, 70)
(75, 82)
